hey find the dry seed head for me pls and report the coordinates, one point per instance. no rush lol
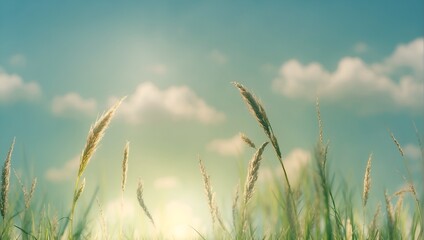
(397, 144)
(208, 191)
(252, 174)
(80, 190)
(27, 195)
(31, 193)
(95, 134)
(402, 191)
(398, 206)
(247, 140)
(255, 107)
(141, 201)
(367, 182)
(213, 207)
(125, 165)
(6, 181)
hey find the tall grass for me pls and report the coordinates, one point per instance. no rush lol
(314, 208)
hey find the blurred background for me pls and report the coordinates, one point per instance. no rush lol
(63, 63)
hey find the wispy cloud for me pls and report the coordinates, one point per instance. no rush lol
(393, 84)
(167, 182)
(228, 146)
(18, 60)
(360, 47)
(218, 57)
(12, 88)
(158, 69)
(72, 103)
(178, 102)
(65, 172)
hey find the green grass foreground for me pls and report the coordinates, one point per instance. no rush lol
(311, 209)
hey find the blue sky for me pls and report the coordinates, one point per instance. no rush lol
(62, 64)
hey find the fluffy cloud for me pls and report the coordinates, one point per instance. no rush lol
(227, 147)
(295, 163)
(412, 151)
(13, 88)
(65, 172)
(177, 102)
(73, 103)
(395, 83)
(218, 57)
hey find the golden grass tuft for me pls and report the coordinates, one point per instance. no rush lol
(252, 174)
(397, 144)
(210, 195)
(247, 140)
(5, 181)
(95, 134)
(367, 182)
(80, 190)
(94, 137)
(27, 195)
(258, 111)
(125, 165)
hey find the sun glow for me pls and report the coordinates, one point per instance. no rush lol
(175, 219)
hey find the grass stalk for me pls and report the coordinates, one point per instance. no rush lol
(94, 137)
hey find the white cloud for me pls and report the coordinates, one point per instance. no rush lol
(167, 182)
(360, 47)
(409, 55)
(382, 86)
(178, 102)
(12, 88)
(73, 103)
(218, 57)
(65, 172)
(18, 60)
(412, 151)
(227, 147)
(295, 163)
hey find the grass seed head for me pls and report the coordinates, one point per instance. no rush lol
(141, 201)
(125, 165)
(252, 174)
(247, 140)
(5, 184)
(367, 182)
(95, 134)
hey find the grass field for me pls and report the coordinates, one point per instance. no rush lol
(313, 208)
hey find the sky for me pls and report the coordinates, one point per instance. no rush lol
(63, 63)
